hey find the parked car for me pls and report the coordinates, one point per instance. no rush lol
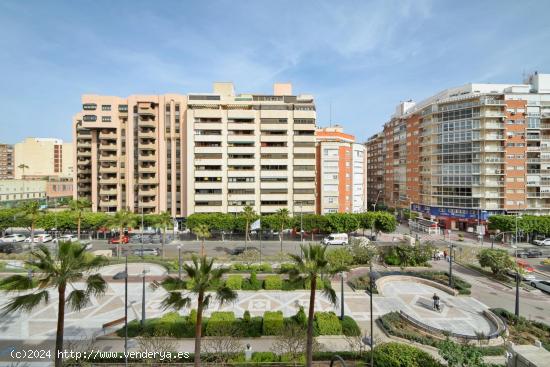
(116, 240)
(146, 251)
(13, 247)
(66, 238)
(239, 250)
(543, 285)
(13, 238)
(531, 253)
(545, 242)
(40, 238)
(527, 270)
(336, 239)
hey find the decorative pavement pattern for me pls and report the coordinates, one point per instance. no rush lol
(460, 314)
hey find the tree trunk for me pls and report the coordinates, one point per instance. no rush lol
(311, 313)
(78, 228)
(120, 235)
(198, 330)
(163, 241)
(32, 236)
(60, 326)
(202, 247)
(246, 232)
(281, 238)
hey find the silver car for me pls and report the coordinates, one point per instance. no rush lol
(13, 238)
(543, 285)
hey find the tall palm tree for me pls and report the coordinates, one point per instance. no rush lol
(203, 276)
(73, 264)
(164, 220)
(313, 265)
(31, 211)
(202, 231)
(78, 206)
(283, 220)
(122, 219)
(249, 216)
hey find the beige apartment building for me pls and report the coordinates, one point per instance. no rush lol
(197, 153)
(467, 153)
(43, 157)
(6, 162)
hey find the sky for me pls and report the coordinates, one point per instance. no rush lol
(358, 58)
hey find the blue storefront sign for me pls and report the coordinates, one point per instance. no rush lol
(452, 212)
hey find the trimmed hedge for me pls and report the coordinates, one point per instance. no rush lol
(263, 267)
(220, 321)
(273, 323)
(327, 323)
(350, 327)
(234, 282)
(252, 283)
(273, 282)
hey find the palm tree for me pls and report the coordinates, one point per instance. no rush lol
(31, 211)
(78, 206)
(122, 219)
(202, 231)
(202, 276)
(313, 265)
(164, 220)
(249, 215)
(283, 220)
(73, 265)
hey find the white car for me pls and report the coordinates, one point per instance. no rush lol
(525, 276)
(66, 238)
(545, 242)
(40, 238)
(336, 239)
(543, 285)
(13, 238)
(146, 251)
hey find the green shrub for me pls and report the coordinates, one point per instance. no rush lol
(300, 318)
(246, 316)
(265, 267)
(252, 283)
(193, 316)
(252, 327)
(397, 355)
(340, 258)
(291, 285)
(273, 323)
(265, 357)
(189, 284)
(319, 283)
(327, 323)
(273, 282)
(285, 267)
(220, 321)
(350, 327)
(234, 282)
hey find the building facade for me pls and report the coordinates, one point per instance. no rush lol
(470, 152)
(197, 153)
(376, 157)
(13, 192)
(6, 162)
(43, 157)
(341, 167)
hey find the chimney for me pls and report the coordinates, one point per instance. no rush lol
(282, 89)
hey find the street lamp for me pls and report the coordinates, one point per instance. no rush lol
(179, 262)
(451, 246)
(118, 276)
(143, 298)
(372, 277)
(374, 209)
(518, 216)
(342, 295)
(515, 247)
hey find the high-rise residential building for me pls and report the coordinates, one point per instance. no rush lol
(6, 162)
(469, 152)
(43, 157)
(376, 154)
(197, 153)
(341, 185)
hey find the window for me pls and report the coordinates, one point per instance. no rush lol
(105, 118)
(89, 106)
(122, 108)
(89, 118)
(328, 187)
(106, 107)
(330, 152)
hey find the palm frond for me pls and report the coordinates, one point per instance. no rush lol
(225, 294)
(16, 283)
(175, 300)
(172, 283)
(329, 293)
(25, 302)
(78, 299)
(95, 285)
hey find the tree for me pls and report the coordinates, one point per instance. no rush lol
(342, 222)
(202, 231)
(31, 211)
(78, 206)
(340, 258)
(202, 276)
(283, 220)
(249, 216)
(458, 355)
(385, 222)
(7, 219)
(164, 220)
(122, 219)
(73, 265)
(498, 260)
(313, 265)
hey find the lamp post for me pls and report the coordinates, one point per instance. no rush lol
(518, 216)
(374, 209)
(451, 246)
(342, 295)
(179, 262)
(515, 247)
(371, 278)
(143, 298)
(142, 230)
(118, 276)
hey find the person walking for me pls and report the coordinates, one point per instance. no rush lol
(436, 302)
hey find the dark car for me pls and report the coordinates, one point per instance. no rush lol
(530, 254)
(239, 250)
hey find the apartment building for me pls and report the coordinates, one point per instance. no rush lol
(6, 162)
(197, 153)
(13, 191)
(376, 156)
(43, 157)
(471, 151)
(341, 167)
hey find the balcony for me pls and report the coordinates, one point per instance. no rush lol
(147, 122)
(84, 161)
(147, 180)
(148, 204)
(216, 150)
(208, 138)
(84, 171)
(148, 169)
(108, 180)
(107, 134)
(241, 162)
(108, 191)
(84, 144)
(148, 134)
(240, 150)
(110, 147)
(108, 203)
(304, 185)
(304, 173)
(493, 114)
(299, 150)
(304, 138)
(108, 169)
(108, 158)
(493, 126)
(84, 153)
(274, 138)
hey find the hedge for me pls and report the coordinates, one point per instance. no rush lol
(397, 354)
(252, 283)
(350, 327)
(273, 323)
(234, 282)
(220, 321)
(327, 323)
(273, 282)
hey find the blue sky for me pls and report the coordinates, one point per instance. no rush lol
(361, 57)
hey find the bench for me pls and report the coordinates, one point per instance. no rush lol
(113, 323)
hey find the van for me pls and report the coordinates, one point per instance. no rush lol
(336, 239)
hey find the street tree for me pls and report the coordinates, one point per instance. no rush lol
(164, 220)
(283, 221)
(30, 210)
(497, 260)
(202, 231)
(202, 276)
(121, 220)
(249, 216)
(73, 265)
(77, 207)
